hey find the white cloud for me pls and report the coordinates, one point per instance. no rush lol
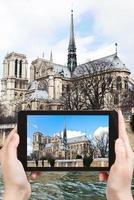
(32, 27)
(100, 131)
(72, 133)
(35, 126)
(29, 146)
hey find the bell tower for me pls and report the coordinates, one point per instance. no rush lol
(14, 82)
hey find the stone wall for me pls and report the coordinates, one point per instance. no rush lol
(97, 162)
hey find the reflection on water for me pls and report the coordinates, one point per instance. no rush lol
(67, 186)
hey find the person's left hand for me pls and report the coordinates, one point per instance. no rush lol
(16, 183)
(121, 172)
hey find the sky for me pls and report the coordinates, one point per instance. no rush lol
(50, 125)
(75, 125)
(33, 27)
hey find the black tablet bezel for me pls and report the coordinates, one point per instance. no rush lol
(22, 129)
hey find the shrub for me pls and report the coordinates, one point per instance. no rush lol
(87, 160)
(78, 156)
(51, 161)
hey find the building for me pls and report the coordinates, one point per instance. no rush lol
(59, 147)
(49, 81)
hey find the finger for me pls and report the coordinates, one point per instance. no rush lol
(103, 176)
(120, 151)
(122, 132)
(10, 136)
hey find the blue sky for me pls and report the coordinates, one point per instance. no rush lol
(33, 27)
(49, 125)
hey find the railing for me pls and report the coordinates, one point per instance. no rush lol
(97, 162)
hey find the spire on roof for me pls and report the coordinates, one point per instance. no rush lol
(116, 48)
(51, 57)
(43, 54)
(65, 138)
(72, 58)
(72, 39)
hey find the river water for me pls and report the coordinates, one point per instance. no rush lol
(67, 186)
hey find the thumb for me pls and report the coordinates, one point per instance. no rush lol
(120, 151)
(12, 146)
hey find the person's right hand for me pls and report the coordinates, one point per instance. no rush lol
(16, 183)
(121, 173)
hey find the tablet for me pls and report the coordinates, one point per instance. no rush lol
(67, 140)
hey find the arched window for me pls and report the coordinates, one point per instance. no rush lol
(118, 83)
(16, 66)
(20, 70)
(116, 99)
(126, 85)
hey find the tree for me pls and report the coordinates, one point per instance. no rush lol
(87, 160)
(101, 144)
(89, 87)
(127, 101)
(78, 156)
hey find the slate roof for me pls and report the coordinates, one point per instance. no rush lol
(113, 62)
(35, 92)
(77, 139)
(39, 94)
(61, 69)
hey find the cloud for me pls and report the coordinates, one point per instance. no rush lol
(101, 131)
(29, 146)
(72, 133)
(35, 126)
(31, 27)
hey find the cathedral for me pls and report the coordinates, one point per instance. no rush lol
(59, 147)
(48, 80)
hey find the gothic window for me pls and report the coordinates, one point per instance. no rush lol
(8, 69)
(20, 69)
(118, 83)
(15, 84)
(116, 99)
(28, 107)
(126, 85)
(63, 88)
(16, 66)
(68, 88)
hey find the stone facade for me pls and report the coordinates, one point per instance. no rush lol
(54, 146)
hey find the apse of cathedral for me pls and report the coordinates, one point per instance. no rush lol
(49, 80)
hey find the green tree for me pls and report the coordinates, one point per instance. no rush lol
(87, 160)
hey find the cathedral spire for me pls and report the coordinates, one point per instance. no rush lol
(51, 57)
(72, 58)
(65, 138)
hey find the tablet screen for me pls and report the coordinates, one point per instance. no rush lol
(67, 141)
